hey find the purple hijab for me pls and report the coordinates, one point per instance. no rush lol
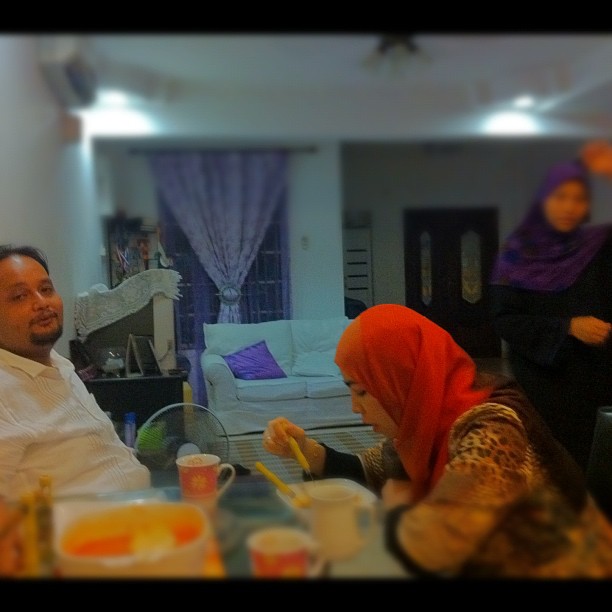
(537, 257)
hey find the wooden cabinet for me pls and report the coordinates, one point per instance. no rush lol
(143, 395)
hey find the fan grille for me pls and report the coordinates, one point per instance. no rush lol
(161, 438)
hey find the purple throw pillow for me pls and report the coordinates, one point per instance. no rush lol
(254, 362)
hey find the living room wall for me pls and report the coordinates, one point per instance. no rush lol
(46, 190)
(387, 178)
(50, 198)
(315, 220)
(382, 179)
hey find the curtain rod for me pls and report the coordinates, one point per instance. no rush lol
(305, 149)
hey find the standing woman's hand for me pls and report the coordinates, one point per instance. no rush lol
(590, 330)
(596, 155)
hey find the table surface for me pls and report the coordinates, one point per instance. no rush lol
(252, 502)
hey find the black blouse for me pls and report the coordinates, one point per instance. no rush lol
(566, 379)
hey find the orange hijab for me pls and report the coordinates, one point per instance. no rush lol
(421, 376)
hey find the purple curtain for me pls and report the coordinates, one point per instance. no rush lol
(223, 202)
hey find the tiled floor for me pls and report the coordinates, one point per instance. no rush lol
(247, 449)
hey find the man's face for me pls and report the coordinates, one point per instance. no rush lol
(31, 311)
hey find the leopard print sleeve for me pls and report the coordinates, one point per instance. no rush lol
(490, 442)
(381, 462)
(372, 461)
(488, 470)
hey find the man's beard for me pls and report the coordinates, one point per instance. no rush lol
(50, 337)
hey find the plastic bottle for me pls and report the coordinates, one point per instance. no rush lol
(129, 431)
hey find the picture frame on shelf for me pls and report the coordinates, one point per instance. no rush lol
(140, 357)
(131, 245)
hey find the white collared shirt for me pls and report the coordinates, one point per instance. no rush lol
(51, 424)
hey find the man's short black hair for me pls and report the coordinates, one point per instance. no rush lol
(6, 250)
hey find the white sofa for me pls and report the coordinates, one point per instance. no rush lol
(313, 393)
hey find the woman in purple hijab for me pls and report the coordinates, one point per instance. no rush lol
(551, 296)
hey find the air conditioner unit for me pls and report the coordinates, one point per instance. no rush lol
(67, 70)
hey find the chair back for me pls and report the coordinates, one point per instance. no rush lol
(599, 469)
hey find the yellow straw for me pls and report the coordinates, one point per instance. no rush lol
(44, 518)
(299, 455)
(299, 500)
(274, 479)
(31, 559)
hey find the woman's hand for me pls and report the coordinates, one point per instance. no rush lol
(590, 330)
(396, 493)
(276, 441)
(276, 437)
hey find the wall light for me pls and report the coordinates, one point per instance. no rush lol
(118, 122)
(512, 123)
(524, 101)
(112, 97)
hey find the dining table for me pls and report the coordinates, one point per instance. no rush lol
(252, 502)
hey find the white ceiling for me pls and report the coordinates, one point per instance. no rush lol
(450, 81)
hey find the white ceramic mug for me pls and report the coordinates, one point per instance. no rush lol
(340, 522)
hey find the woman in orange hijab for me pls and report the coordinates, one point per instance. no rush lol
(473, 482)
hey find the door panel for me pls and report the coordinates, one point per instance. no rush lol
(358, 264)
(448, 254)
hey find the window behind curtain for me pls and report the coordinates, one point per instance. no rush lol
(265, 292)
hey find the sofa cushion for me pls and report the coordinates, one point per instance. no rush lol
(254, 362)
(225, 338)
(326, 387)
(317, 334)
(316, 363)
(290, 388)
(314, 345)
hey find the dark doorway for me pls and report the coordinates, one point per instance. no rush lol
(448, 254)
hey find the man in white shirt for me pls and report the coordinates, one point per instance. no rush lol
(49, 422)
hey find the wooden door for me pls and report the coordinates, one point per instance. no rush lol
(448, 255)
